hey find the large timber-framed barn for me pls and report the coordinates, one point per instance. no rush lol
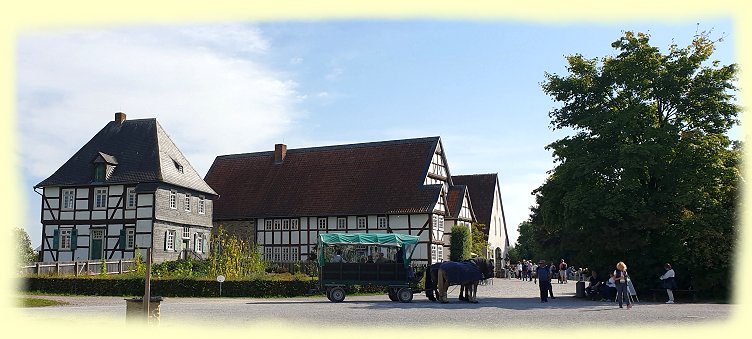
(126, 189)
(283, 199)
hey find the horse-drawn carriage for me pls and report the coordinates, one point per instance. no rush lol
(377, 259)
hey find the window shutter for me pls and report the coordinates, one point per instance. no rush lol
(204, 243)
(177, 243)
(121, 239)
(56, 239)
(74, 239)
(165, 240)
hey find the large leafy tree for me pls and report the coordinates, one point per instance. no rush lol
(648, 175)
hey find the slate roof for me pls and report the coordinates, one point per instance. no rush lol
(142, 153)
(370, 178)
(482, 188)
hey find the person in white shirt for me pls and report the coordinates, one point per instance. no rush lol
(668, 282)
(608, 290)
(338, 257)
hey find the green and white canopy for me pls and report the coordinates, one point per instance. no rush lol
(369, 239)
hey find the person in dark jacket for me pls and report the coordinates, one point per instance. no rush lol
(669, 283)
(544, 280)
(620, 278)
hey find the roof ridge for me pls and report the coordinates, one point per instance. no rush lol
(334, 147)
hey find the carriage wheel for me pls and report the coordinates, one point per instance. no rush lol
(393, 294)
(337, 294)
(328, 293)
(405, 294)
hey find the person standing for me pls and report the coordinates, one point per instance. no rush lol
(525, 269)
(544, 280)
(620, 278)
(562, 272)
(668, 282)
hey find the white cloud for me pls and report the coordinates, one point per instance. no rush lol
(200, 82)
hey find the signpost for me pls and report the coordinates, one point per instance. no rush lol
(220, 279)
(147, 287)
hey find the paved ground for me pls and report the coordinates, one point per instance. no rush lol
(505, 304)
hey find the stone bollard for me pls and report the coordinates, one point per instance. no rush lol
(580, 291)
(134, 310)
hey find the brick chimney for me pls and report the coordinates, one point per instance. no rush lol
(119, 117)
(280, 150)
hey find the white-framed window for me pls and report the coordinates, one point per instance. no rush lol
(268, 224)
(69, 199)
(173, 199)
(440, 253)
(170, 241)
(100, 197)
(130, 238)
(201, 204)
(285, 224)
(285, 254)
(186, 233)
(382, 222)
(441, 223)
(130, 198)
(435, 221)
(187, 202)
(322, 223)
(65, 239)
(198, 242)
(277, 254)
(268, 253)
(341, 223)
(277, 224)
(294, 254)
(294, 224)
(361, 223)
(433, 253)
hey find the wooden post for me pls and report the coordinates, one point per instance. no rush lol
(120, 266)
(75, 268)
(147, 287)
(36, 267)
(57, 267)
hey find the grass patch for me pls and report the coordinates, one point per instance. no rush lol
(39, 302)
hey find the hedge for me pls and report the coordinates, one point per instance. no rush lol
(177, 287)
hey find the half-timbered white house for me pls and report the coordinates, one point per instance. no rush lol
(485, 196)
(283, 199)
(460, 212)
(129, 187)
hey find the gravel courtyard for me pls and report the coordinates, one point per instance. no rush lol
(503, 304)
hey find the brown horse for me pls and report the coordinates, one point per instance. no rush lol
(467, 274)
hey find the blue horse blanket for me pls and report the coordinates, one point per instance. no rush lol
(461, 272)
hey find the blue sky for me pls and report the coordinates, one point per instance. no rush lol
(243, 86)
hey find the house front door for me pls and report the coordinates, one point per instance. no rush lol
(95, 245)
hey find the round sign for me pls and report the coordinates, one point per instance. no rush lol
(220, 278)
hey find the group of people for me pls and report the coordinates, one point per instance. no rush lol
(377, 257)
(617, 287)
(527, 270)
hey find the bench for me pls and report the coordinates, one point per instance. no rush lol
(662, 291)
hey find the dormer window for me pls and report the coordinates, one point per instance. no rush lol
(178, 166)
(99, 172)
(104, 164)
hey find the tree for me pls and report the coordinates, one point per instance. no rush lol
(649, 175)
(460, 243)
(479, 242)
(233, 257)
(24, 251)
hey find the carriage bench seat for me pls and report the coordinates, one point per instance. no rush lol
(657, 291)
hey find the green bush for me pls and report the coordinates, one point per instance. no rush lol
(287, 286)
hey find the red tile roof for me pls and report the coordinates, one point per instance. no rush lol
(482, 188)
(370, 178)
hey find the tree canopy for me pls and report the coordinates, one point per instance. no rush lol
(649, 175)
(24, 251)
